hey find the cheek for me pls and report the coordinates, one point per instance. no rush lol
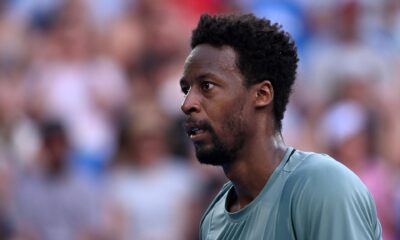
(232, 123)
(225, 114)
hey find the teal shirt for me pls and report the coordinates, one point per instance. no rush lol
(309, 196)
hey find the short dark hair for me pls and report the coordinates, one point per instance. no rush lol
(51, 130)
(264, 50)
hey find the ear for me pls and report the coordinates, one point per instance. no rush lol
(264, 94)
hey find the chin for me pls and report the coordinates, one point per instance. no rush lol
(214, 156)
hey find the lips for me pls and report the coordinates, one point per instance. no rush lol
(195, 131)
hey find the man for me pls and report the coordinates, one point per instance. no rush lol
(52, 201)
(237, 81)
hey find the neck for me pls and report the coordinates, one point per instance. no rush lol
(252, 168)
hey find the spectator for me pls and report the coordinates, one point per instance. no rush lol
(51, 200)
(151, 194)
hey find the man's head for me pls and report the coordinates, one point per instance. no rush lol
(55, 146)
(239, 64)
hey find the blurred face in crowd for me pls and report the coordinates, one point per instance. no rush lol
(55, 149)
(148, 148)
(215, 104)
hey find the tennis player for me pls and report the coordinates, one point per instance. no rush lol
(237, 81)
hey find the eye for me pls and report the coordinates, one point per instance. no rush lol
(206, 86)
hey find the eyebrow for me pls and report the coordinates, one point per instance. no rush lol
(200, 77)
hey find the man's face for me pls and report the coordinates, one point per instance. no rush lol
(215, 104)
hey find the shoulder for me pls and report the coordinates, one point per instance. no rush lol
(205, 221)
(319, 180)
(323, 195)
(221, 195)
(315, 172)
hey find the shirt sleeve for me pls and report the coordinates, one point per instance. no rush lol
(328, 201)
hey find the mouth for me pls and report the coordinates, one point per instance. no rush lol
(195, 131)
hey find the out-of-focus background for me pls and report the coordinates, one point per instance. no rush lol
(91, 143)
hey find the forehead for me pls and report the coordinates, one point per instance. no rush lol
(205, 59)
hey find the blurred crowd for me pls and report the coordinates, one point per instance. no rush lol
(91, 138)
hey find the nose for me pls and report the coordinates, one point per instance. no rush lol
(190, 104)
